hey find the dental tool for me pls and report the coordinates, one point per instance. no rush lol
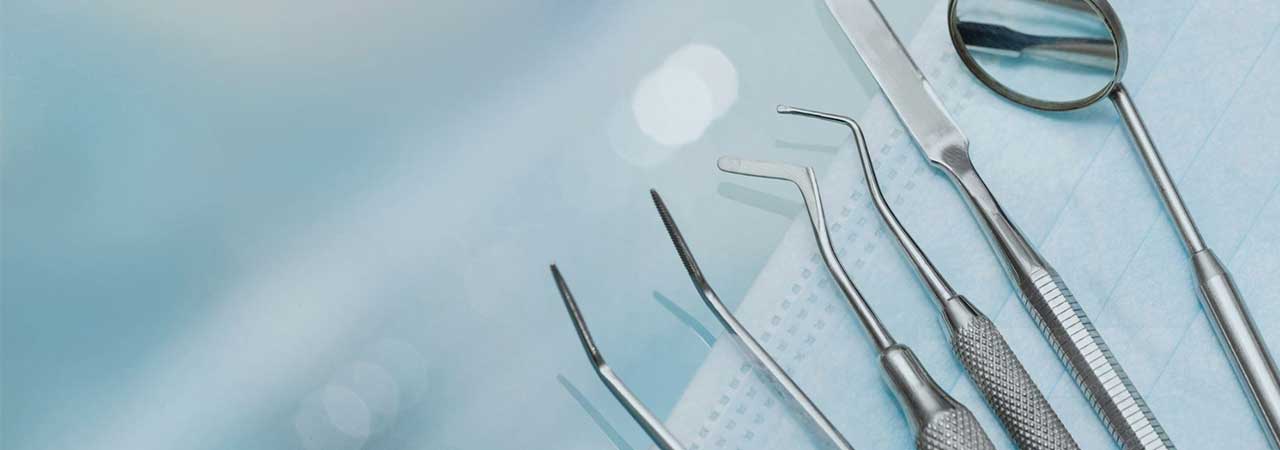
(743, 337)
(758, 355)
(939, 421)
(1010, 392)
(1234, 326)
(643, 416)
(1062, 321)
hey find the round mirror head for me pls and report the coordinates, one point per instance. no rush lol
(1046, 54)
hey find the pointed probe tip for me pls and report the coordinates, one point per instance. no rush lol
(561, 285)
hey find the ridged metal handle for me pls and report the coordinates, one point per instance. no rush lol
(1091, 362)
(1008, 389)
(1061, 320)
(956, 429)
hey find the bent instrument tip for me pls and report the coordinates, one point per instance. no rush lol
(575, 315)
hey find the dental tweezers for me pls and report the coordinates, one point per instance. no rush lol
(939, 421)
(978, 344)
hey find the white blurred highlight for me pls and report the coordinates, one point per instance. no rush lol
(376, 388)
(363, 399)
(716, 71)
(347, 412)
(406, 366)
(675, 104)
(316, 428)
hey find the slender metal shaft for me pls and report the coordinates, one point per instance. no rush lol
(744, 337)
(1159, 174)
(938, 285)
(1059, 316)
(1240, 337)
(996, 371)
(646, 418)
(1233, 325)
(940, 422)
(804, 179)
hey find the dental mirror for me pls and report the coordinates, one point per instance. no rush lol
(1047, 54)
(1059, 55)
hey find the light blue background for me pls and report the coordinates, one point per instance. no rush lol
(214, 212)
(322, 225)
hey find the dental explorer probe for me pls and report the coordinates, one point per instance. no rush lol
(1234, 326)
(939, 421)
(740, 333)
(643, 416)
(1056, 312)
(994, 368)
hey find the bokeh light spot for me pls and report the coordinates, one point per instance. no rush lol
(347, 412)
(673, 106)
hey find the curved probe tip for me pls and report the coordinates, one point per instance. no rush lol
(575, 315)
(730, 164)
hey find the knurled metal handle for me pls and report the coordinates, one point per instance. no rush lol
(1064, 323)
(1092, 364)
(955, 429)
(1008, 389)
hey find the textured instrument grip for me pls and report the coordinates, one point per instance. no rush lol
(1092, 364)
(1064, 324)
(1008, 389)
(955, 429)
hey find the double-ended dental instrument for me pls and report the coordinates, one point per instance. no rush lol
(778, 377)
(938, 421)
(1009, 391)
(1075, 76)
(1059, 316)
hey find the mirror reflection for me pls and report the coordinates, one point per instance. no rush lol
(1058, 51)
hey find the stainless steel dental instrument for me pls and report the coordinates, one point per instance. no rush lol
(994, 368)
(1235, 328)
(647, 420)
(939, 422)
(744, 337)
(1058, 315)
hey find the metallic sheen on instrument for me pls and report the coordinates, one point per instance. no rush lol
(1235, 329)
(994, 368)
(1233, 325)
(758, 355)
(1058, 314)
(939, 421)
(643, 416)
